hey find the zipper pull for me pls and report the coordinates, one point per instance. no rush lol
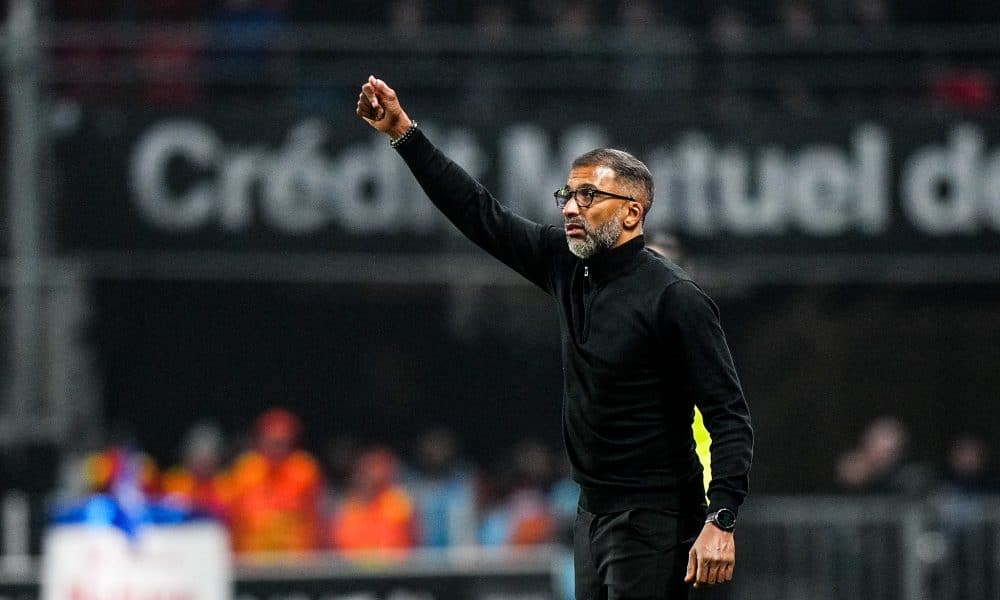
(586, 271)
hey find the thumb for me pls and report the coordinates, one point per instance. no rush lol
(692, 566)
(384, 91)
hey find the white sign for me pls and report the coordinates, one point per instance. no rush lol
(180, 562)
(947, 187)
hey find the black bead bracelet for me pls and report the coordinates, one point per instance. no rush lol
(406, 135)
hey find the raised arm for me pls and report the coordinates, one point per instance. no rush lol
(525, 246)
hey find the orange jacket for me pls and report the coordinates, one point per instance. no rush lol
(209, 495)
(275, 505)
(386, 521)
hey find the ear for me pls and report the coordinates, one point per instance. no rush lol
(633, 218)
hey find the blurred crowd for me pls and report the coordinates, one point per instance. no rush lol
(797, 15)
(882, 463)
(274, 495)
(251, 43)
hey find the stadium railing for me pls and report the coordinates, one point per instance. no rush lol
(946, 547)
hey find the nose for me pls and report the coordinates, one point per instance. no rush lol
(570, 209)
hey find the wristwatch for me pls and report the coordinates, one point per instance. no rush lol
(723, 518)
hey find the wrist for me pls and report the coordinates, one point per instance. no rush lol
(723, 518)
(399, 128)
(396, 141)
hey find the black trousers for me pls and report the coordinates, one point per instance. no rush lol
(639, 554)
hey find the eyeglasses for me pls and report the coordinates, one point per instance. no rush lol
(584, 196)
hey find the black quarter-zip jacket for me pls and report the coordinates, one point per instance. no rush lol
(642, 345)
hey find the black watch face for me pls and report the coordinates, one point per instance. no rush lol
(725, 518)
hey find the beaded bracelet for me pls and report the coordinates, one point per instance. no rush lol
(395, 143)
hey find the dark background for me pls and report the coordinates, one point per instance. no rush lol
(206, 324)
(818, 364)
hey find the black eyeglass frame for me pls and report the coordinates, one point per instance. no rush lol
(584, 196)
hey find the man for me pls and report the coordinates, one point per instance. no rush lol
(641, 346)
(275, 490)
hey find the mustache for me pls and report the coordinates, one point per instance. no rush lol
(577, 221)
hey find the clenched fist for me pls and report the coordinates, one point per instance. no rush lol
(379, 106)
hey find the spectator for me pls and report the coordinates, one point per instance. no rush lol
(199, 484)
(123, 473)
(852, 471)
(879, 464)
(378, 514)
(276, 490)
(968, 466)
(524, 516)
(444, 490)
(105, 469)
(962, 512)
(883, 446)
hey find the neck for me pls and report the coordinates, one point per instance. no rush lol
(628, 235)
(605, 265)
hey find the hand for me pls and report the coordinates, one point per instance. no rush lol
(379, 107)
(712, 558)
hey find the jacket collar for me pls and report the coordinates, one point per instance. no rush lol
(606, 265)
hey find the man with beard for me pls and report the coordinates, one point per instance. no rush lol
(641, 347)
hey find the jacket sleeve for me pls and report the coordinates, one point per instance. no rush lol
(522, 245)
(711, 380)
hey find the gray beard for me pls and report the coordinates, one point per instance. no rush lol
(602, 237)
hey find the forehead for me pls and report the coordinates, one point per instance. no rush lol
(598, 176)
